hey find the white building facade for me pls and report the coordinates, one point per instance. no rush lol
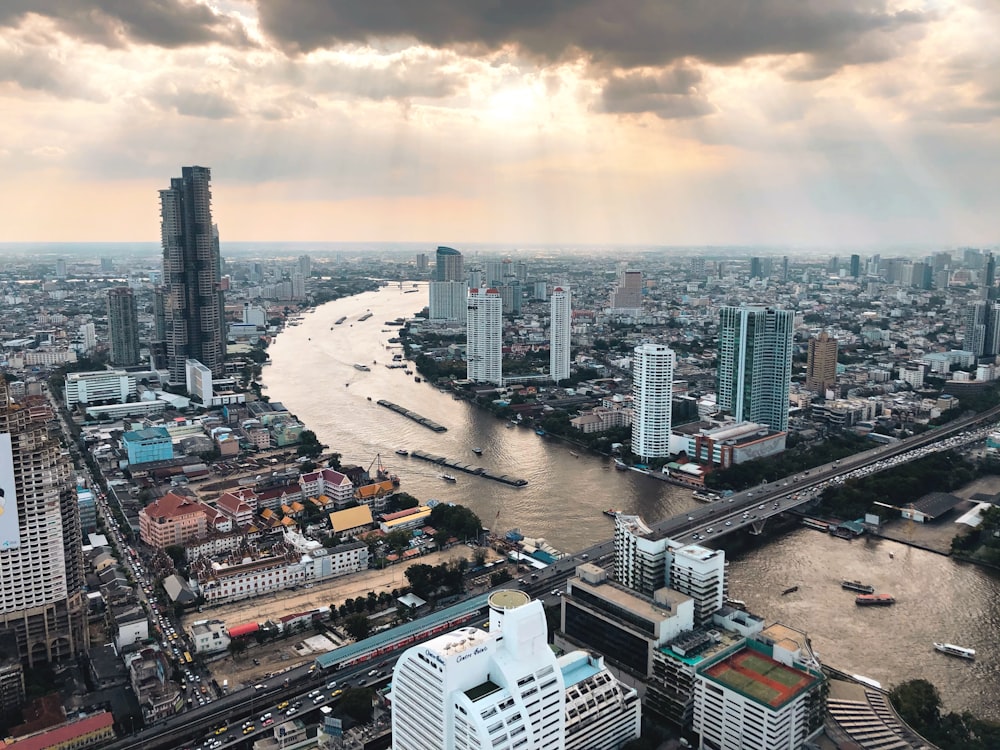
(484, 331)
(652, 395)
(560, 328)
(472, 689)
(199, 381)
(103, 385)
(448, 300)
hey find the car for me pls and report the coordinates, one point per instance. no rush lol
(282, 705)
(336, 693)
(265, 717)
(760, 507)
(314, 693)
(249, 729)
(319, 699)
(372, 672)
(709, 530)
(329, 686)
(291, 711)
(260, 686)
(267, 722)
(555, 592)
(729, 523)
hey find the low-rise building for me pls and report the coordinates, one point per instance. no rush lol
(149, 673)
(352, 521)
(174, 519)
(725, 445)
(405, 520)
(329, 482)
(150, 444)
(209, 636)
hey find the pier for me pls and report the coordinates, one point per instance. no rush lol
(412, 415)
(478, 471)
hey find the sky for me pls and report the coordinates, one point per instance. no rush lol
(825, 123)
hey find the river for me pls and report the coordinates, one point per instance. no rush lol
(313, 375)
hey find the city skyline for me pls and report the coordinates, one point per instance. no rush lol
(874, 124)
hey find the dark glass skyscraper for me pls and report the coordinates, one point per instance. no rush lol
(449, 265)
(192, 299)
(123, 324)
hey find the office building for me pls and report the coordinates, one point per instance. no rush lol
(192, 298)
(982, 329)
(647, 560)
(87, 337)
(448, 300)
(41, 553)
(755, 364)
(627, 626)
(99, 387)
(560, 329)
(652, 396)
(449, 265)
(422, 262)
(61, 271)
(855, 266)
(123, 327)
(198, 381)
(304, 265)
(147, 445)
(765, 692)
(505, 690)
(484, 334)
(471, 689)
(627, 296)
(298, 286)
(821, 364)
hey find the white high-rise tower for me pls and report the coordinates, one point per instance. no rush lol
(484, 331)
(652, 394)
(560, 323)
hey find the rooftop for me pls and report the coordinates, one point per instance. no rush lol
(579, 670)
(630, 601)
(757, 676)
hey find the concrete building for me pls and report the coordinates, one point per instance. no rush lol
(652, 398)
(755, 364)
(982, 328)
(123, 326)
(107, 386)
(209, 636)
(626, 626)
(725, 445)
(560, 330)
(759, 694)
(447, 300)
(448, 265)
(821, 365)
(150, 444)
(192, 295)
(41, 549)
(198, 381)
(484, 332)
(646, 561)
(601, 712)
(174, 519)
(627, 296)
(329, 483)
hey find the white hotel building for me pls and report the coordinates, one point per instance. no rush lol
(652, 395)
(505, 690)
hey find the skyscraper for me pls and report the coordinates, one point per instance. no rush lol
(484, 336)
(855, 265)
(123, 325)
(560, 324)
(448, 300)
(982, 328)
(193, 300)
(652, 395)
(449, 265)
(41, 557)
(628, 292)
(755, 364)
(821, 366)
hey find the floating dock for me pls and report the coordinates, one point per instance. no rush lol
(478, 471)
(412, 415)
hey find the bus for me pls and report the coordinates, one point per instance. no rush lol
(187, 657)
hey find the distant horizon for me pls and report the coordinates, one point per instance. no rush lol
(241, 247)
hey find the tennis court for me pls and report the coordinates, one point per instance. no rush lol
(759, 677)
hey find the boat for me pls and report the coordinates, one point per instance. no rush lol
(540, 431)
(621, 465)
(861, 588)
(369, 398)
(705, 497)
(448, 478)
(364, 317)
(574, 454)
(952, 650)
(338, 321)
(790, 590)
(478, 451)
(416, 379)
(874, 600)
(363, 368)
(402, 452)
(613, 513)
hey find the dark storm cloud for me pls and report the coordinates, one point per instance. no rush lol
(114, 23)
(612, 33)
(670, 94)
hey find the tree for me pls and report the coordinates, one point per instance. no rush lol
(918, 703)
(357, 704)
(236, 647)
(309, 444)
(176, 552)
(357, 626)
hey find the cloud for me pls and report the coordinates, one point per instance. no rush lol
(40, 69)
(670, 94)
(116, 23)
(191, 101)
(612, 33)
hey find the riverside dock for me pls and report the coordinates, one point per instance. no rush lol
(478, 471)
(412, 415)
